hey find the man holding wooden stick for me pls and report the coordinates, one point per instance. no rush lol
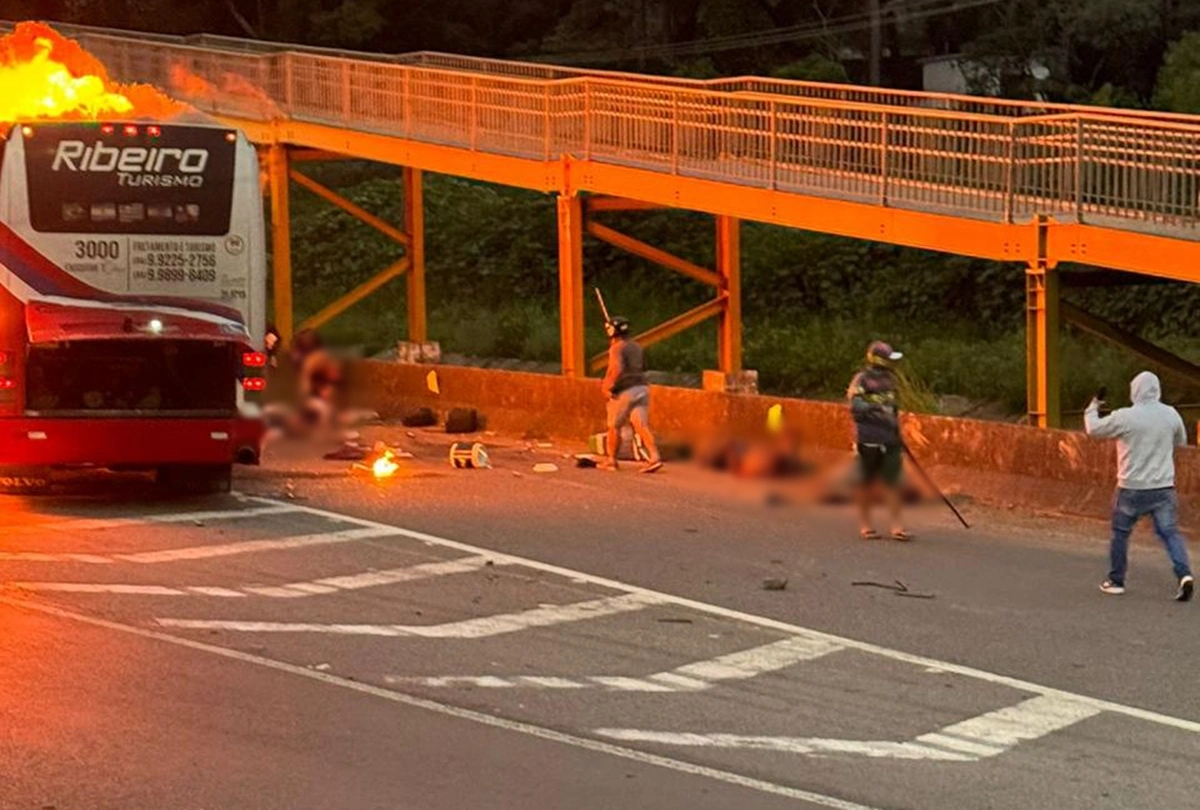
(627, 392)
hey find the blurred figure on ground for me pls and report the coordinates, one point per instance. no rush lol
(875, 409)
(628, 395)
(1147, 434)
(320, 377)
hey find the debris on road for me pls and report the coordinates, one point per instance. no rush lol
(774, 583)
(585, 462)
(431, 382)
(462, 420)
(418, 417)
(473, 457)
(545, 467)
(350, 451)
(896, 587)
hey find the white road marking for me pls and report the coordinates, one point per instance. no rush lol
(251, 546)
(292, 590)
(39, 556)
(374, 579)
(924, 662)
(482, 627)
(93, 524)
(982, 737)
(741, 665)
(90, 587)
(482, 718)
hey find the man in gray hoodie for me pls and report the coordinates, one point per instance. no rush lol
(1147, 434)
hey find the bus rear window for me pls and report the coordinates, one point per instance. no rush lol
(150, 377)
(88, 178)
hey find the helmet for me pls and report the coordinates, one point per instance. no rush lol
(882, 354)
(617, 327)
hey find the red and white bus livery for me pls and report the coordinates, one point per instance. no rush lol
(132, 287)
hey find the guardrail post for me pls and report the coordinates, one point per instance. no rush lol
(1079, 169)
(587, 120)
(281, 239)
(288, 83)
(570, 284)
(474, 113)
(883, 159)
(1042, 337)
(674, 133)
(546, 124)
(1009, 171)
(774, 146)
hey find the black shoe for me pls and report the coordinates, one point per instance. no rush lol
(1186, 586)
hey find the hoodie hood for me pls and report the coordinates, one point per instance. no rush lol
(1145, 388)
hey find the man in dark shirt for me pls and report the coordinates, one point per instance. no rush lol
(876, 413)
(628, 395)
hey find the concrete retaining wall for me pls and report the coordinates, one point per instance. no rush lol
(995, 462)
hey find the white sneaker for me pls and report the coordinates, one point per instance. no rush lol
(1111, 588)
(1186, 586)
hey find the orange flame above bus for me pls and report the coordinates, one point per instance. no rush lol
(44, 75)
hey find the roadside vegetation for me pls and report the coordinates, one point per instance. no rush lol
(811, 302)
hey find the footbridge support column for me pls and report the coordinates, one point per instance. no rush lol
(1042, 330)
(729, 268)
(414, 228)
(281, 239)
(570, 285)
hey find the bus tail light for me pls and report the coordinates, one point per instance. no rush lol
(254, 383)
(7, 383)
(254, 360)
(4, 358)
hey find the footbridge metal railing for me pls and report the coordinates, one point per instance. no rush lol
(977, 158)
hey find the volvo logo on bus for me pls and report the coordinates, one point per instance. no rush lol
(134, 165)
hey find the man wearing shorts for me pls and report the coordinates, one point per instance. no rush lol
(876, 413)
(628, 395)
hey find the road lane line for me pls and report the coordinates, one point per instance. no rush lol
(292, 590)
(94, 524)
(695, 677)
(807, 746)
(457, 712)
(93, 587)
(982, 737)
(40, 556)
(1004, 728)
(207, 551)
(929, 664)
(251, 546)
(482, 627)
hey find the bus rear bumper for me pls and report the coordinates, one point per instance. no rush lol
(129, 443)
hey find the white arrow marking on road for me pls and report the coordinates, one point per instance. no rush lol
(981, 737)
(741, 665)
(291, 590)
(483, 627)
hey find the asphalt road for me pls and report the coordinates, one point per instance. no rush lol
(507, 639)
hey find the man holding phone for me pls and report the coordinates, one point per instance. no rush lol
(1147, 434)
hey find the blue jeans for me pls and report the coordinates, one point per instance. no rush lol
(1162, 505)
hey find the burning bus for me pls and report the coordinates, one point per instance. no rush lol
(132, 276)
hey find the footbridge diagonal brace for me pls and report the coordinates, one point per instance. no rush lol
(282, 172)
(1178, 367)
(725, 281)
